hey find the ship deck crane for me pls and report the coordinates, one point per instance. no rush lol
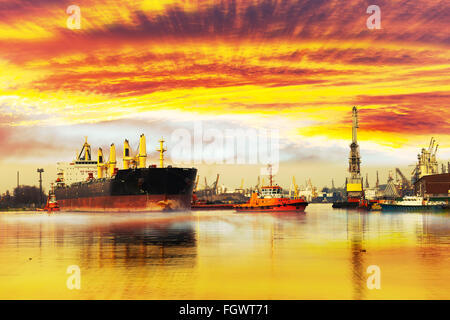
(161, 151)
(139, 160)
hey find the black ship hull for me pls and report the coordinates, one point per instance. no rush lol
(142, 189)
(345, 205)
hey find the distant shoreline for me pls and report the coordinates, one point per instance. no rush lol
(17, 209)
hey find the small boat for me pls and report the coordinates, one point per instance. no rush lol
(376, 207)
(52, 204)
(272, 200)
(413, 203)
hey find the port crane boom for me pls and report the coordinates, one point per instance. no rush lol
(196, 183)
(215, 184)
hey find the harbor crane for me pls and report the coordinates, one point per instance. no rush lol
(196, 183)
(215, 185)
(426, 161)
(295, 187)
(405, 181)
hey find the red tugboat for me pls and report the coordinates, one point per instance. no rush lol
(52, 204)
(272, 200)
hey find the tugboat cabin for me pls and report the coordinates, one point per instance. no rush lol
(271, 192)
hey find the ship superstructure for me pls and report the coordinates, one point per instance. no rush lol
(79, 169)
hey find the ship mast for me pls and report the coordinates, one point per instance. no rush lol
(269, 167)
(87, 151)
(161, 151)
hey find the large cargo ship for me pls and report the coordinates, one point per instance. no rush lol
(136, 187)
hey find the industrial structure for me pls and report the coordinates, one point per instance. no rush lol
(434, 187)
(215, 194)
(39, 170)
(354, 184)
(309, 192)
(426, 162)
(426, 180)
(354, 187)
(391, 190)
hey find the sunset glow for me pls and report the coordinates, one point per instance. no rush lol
(233, 63)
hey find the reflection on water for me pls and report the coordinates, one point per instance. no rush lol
(323, 254)
(355, 233)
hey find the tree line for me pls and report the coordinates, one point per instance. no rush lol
(23, 197)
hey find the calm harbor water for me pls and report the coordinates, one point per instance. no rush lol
(323, 254)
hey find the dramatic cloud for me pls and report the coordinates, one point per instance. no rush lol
(304, 63)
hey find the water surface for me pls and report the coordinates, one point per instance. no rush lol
(322, 254)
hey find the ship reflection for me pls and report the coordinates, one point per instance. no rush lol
(143, 242)
(356, 225)
(433, 229)
(323, 254)
(165, 235)
(433, 235)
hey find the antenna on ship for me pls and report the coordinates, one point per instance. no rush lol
(161, 151)
(269, 167)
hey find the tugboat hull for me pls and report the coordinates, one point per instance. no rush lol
(282, 206)
(272, 200)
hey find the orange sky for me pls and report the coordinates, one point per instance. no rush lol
(155, 66)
